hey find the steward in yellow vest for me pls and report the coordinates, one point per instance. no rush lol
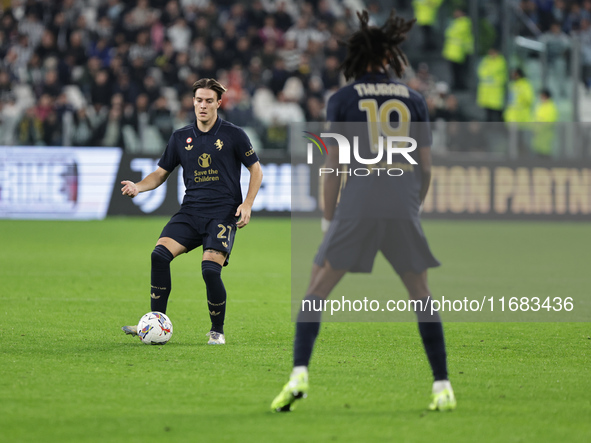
(545, 115)
(426, 15)
(520, 100)
(458, 44)
(492, 79)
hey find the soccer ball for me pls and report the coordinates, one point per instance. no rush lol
(154, 328)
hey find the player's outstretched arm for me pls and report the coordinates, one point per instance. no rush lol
(152, 181)
(244, 210)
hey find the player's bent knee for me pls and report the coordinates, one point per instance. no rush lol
(210, 270)
(161, 255)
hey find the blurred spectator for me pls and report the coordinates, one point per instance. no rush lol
(283, 19)
(102, 89)
(331, 74)
(142, 48)
(52, 129)
(585, 38)
(165, 61)
(186, 113)
(545, 8)
(279, 76)
(19, 55)
(544, 133)
(199, 50)
(222, 55)
(271, 32)
(103, 29)
(208, 68)
(179, 35)
(302, 32)
(458, 45)
(530, 11)
(270, 53)
(32, 27)
(160, 117)
(559, 11)
(47, 47)
(451, 111)
(5, 86)
(142, 15)
(10, 114)
(520, 98)
(112, 9)
(492, 80)
(314, 111)
(51, 85)
(243, 51)
(35, 73)
(110, 131)
(126, 88)
(171, 13)
(557, 45)
(256, 15)
(82, 132)
(102, 50)
(573, 19)
(586, 11)
(30, 129)
(76, 48)
(151, 88)
(426, 15)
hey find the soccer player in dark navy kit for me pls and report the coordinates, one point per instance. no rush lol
(211, 152)
(375, 211)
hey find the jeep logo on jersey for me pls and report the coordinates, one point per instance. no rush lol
(389, 144)
(204, 160)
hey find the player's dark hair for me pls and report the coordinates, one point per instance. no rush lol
(209, 83)
(369, 46)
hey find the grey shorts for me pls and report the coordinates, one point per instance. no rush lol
(352, 245)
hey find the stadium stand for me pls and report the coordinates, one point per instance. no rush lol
(104, 72)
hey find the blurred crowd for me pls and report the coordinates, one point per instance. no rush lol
(569, 15)
(111, 73)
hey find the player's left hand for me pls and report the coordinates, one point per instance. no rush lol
(243, 212)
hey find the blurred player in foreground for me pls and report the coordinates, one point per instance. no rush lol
(374, 212)
(211, 152)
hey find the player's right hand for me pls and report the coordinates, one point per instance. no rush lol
(129, 188)
(324, 225)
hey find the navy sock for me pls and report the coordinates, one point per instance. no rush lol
(216, 294)
(307, 328)
(161, 282)
(431, 331)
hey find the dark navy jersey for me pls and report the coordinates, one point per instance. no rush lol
(211, 164)
(374, 106)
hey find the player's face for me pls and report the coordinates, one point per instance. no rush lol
(206, 105)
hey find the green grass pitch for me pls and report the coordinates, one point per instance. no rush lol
(69, 374)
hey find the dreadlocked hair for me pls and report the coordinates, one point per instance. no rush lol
(370, 46)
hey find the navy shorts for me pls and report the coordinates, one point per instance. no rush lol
(192, 231)
(352, 245)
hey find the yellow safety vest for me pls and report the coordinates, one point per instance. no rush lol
(426, 11)
(545, 131)
(459, 41)
(521, 97)
(492, 77)
(546, 112)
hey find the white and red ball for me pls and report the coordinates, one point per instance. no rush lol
(154, 328)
